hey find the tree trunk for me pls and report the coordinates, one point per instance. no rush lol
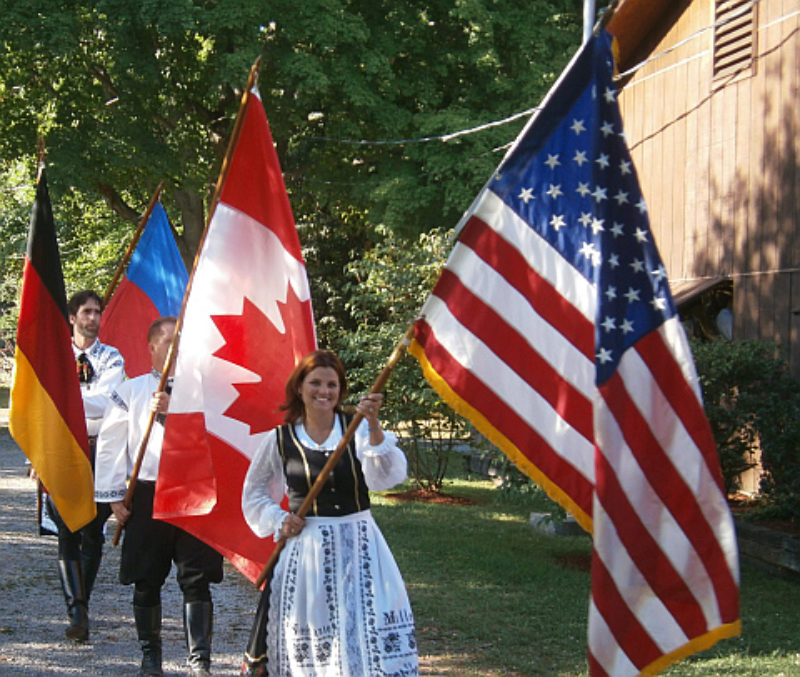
(193, 218)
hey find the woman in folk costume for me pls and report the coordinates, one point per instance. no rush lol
(335, 604)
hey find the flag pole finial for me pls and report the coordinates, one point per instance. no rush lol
(255, 71)
(605, 16)
(41, 157)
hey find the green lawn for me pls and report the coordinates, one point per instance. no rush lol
(491, 596)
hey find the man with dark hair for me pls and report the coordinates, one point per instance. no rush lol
(100, 369)
(151, 546)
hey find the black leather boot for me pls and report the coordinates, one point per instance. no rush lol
(198, 622)
(91, 565)
(148, 630)
(92, 547)
(71, 576)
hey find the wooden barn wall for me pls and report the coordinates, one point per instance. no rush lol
(719, 165)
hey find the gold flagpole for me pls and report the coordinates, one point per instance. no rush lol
(252, 80)
(134, 241)
(333, 459)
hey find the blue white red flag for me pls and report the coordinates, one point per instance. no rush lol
(552, 328)
(152, 287)
(247, 322)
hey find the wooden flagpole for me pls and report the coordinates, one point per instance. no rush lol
(252, 80)
(134, 241)
(39, 503)
(41, 157)
(333, 459)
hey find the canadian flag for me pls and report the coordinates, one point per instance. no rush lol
(247, 322)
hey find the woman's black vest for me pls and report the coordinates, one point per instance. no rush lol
(345, 491)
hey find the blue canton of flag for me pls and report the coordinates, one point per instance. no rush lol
(577, 187)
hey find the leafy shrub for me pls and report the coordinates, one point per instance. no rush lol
(752, 401)
(389, 286)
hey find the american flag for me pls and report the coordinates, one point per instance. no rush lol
(552, 328)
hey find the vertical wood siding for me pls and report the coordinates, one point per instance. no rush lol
(719, 163)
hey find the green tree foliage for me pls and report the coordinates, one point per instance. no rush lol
(128, 94)
(91, 241)
(410, 71)
(16, 198)
(360, 94)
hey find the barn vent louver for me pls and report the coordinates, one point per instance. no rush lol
(734, 38)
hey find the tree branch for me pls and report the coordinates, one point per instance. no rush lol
(117, 204)
(101, 75)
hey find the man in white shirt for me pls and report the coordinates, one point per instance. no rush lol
(100, 369)
(151, 546)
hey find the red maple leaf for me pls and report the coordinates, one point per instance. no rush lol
(252, 341)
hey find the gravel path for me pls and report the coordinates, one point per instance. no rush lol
(33, 615)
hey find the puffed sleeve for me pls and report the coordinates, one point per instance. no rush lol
(264, 488)
(384, 466)
(111, 456)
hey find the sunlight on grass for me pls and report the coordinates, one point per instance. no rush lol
(493, 596)
(479, 576)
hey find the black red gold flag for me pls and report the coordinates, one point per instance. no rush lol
(46, 417)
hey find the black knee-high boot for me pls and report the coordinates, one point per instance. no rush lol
(72, 584)
(198, 624)
(92, 548)
(148, 630)
(91, 565)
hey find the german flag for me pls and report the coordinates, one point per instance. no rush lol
(46, 417)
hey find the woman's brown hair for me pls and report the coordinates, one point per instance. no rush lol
(293, 406)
